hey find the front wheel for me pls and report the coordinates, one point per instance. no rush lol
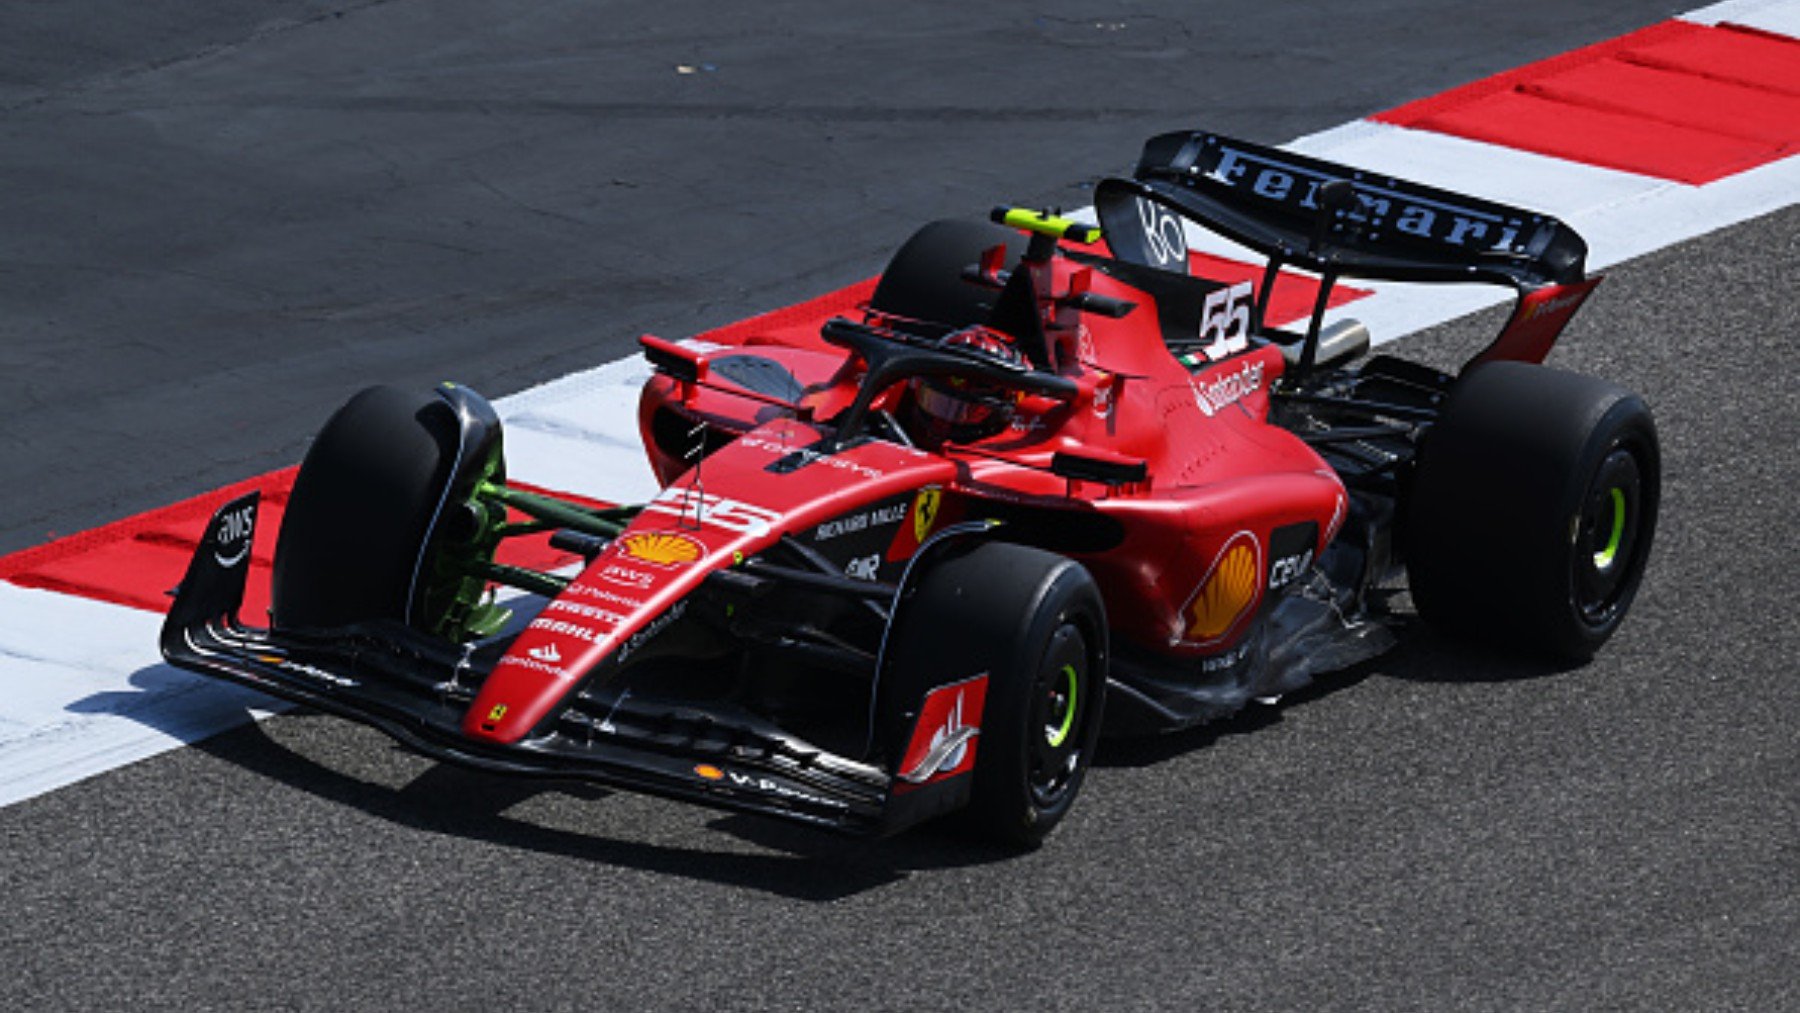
(1034, 624)
(361, 538)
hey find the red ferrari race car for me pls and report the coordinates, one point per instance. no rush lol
(1046, 483)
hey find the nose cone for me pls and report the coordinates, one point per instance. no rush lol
(527, 685)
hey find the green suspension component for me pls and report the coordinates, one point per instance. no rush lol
(469, 533)
(464, 568)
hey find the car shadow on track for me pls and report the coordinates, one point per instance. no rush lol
(1421, 655)
(1425, 655)
(789, 861)
(1150, 749)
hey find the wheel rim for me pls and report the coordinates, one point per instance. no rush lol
(1607, 536)
(1605, 558)
(1064, 701)
(1058, 720)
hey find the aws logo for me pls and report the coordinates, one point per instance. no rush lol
(232, 537)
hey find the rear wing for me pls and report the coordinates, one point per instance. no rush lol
(1342, 222)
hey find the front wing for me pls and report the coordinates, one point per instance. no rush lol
(416, 689)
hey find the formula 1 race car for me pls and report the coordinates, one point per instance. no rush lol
(1037, 487)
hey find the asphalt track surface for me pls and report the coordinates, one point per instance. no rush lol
(214, 225)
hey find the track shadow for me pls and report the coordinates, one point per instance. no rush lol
(1420, 655)
(799, 862)
(1149, 750)
(446, 799)
(178, 704)
(1425, 655)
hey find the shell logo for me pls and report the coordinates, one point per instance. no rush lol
(661, 548)
(1226, 593)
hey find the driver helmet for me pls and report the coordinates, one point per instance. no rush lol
(959, 409)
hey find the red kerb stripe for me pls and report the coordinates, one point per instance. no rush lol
(1678, 101)
(138, 560)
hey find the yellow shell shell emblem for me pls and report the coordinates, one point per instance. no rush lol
(661, 549)
(1227, 593)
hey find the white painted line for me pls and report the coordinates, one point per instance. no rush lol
(85, 691)
(1650, 222)
(1779, 16)
(579, 434)
(1620, 214)
(1561, 188)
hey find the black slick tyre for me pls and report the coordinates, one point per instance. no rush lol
(923, 281)
(1033, 622)
(361, 509)
(1532, 509)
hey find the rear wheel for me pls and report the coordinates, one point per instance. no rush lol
(1533, 509)
(1034, 623)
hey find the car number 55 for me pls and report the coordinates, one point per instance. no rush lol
(1225, 321)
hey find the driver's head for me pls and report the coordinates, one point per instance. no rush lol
(956, 409)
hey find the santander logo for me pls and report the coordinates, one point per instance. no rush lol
(1211, 397)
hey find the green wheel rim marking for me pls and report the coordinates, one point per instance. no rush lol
(1604, 558)
(1058, 736)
